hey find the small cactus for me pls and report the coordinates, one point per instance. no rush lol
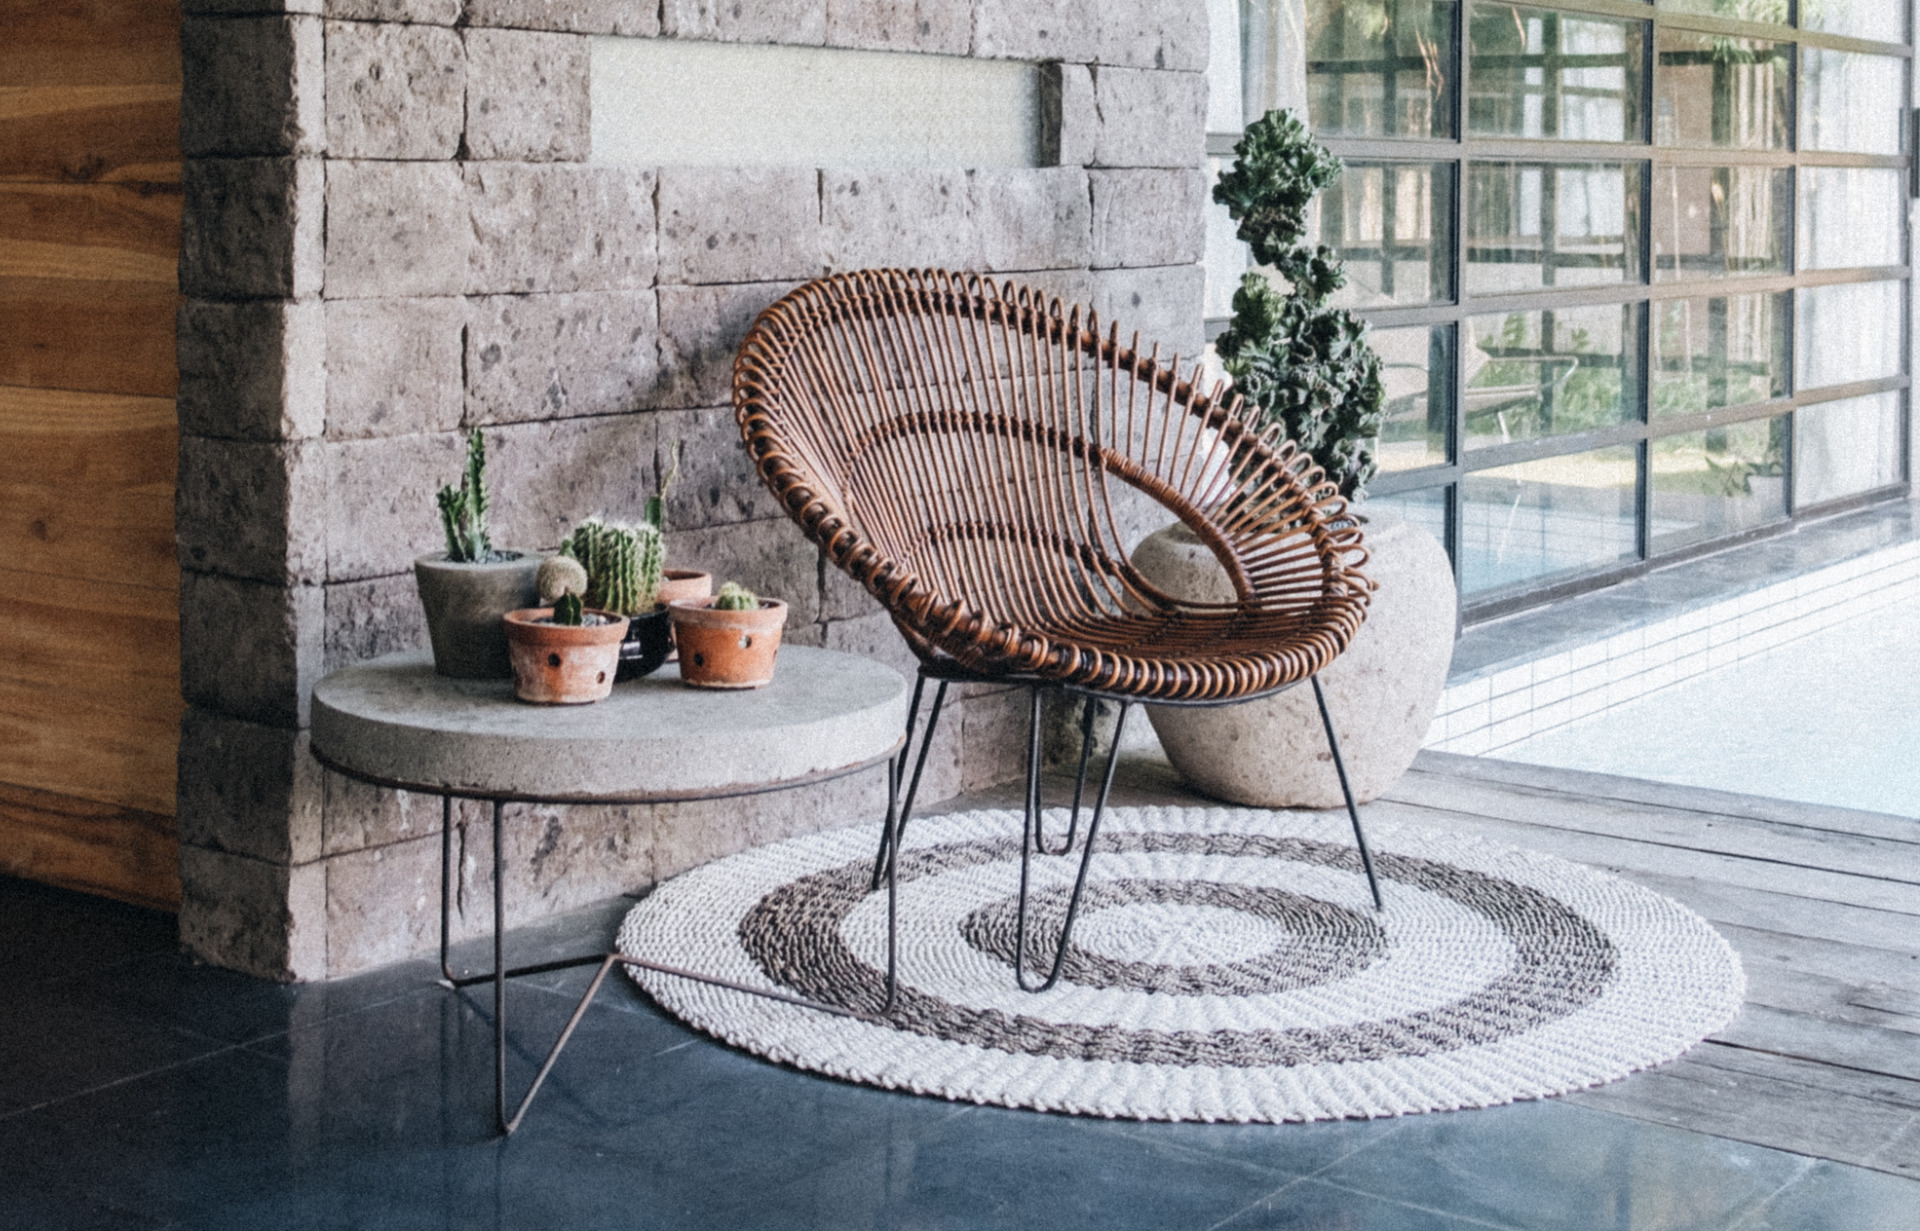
(735, 597)
(568, 609)
(560, 575)
(623, 564)
(463, 509)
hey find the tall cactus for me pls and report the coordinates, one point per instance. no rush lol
(463, 509)
(623, 563)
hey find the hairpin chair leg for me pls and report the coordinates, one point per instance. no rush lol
(1030, 838)
(1353, 812)
(1087, 715)
(896, 827)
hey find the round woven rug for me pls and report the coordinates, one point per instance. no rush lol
(1227, 965)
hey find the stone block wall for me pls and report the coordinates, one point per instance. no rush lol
(394, 232)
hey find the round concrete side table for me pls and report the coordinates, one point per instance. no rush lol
(395, 722)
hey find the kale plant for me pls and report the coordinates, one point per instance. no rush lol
(1295, 360)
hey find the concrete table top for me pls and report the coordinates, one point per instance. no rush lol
(396, 722)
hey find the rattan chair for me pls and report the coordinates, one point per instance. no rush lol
(970, 453)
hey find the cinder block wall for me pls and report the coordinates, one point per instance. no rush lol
(392, 234)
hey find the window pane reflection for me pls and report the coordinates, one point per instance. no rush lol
(1849, 332)
(1417, 369)
(1850, 102)
(1375, 68)
(1720, 91)
(1726, 351)
(1548, 520)
(1875, 19)
(1745, 10)
(1534, 225)
(1850, 217)
(1393, 222)
(1708, 484)
(1845, 448)
(1715, 222)
(1546, 373)
(1538, 73)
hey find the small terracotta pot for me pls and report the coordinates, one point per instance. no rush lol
(562, 664)
(727, 649)
(679, 583)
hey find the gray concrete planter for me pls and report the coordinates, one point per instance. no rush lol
(464, 603)
(1382, 690)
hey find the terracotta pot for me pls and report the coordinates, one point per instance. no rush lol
(727, 649)
(679, 583)
(649, 638)
(563, 664)
(464, 603)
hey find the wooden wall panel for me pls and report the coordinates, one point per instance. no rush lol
(89, 621)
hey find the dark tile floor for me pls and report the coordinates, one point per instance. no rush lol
(138, 1090)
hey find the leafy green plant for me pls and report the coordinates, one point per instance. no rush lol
(623, 563)
(735, 597)
(463, 509)
(1295, 360)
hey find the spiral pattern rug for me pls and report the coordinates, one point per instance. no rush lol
(1227, 965)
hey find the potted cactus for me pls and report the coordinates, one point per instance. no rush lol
(564, 654)
(623, 566)
(729, 640)
(467, 588)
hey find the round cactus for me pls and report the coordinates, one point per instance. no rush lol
(735, 597)
(560, 575)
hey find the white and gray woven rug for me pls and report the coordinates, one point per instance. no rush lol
(1227, 965)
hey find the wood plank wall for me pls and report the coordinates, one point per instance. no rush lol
(89, 612)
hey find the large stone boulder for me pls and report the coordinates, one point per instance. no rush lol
(1382, 691)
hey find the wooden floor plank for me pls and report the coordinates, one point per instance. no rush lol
(1807, 1036)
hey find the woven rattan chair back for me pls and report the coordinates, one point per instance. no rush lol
(974, 454)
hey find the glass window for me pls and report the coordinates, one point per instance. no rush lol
(1536, 522)
(1426, 509)
(1716, 222)
(1745, 10)
(1535, 225)
(1705, 485)
(1851, 102)
(1417, 369)
(1849, 332)
(1539, 73)
(1845, 448)
(1393, 222)
(1551, 372)
(1850, 217)
(1884, 20)
(1378, 68)
(1713, 90)
(1730, 350)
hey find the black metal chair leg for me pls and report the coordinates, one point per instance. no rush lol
(1030, 838)
(892, 832)
(1087, 714)
(1353, 812)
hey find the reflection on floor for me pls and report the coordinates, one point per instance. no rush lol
(142, 1091)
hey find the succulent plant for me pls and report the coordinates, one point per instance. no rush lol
(463, 509)
(560, 575)
(568, 609)
(623, 564)
(735, 597)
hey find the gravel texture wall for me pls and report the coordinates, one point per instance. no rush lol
(394, 232)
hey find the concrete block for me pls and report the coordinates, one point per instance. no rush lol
(382, 904)
(365, 619)
(546, 356)
(1150, 118)
(549, 476)
(993, 738)
(739, 224)
(395, 229)
(1037, 29)
(871, 636)
(251, 371)
(418, 12)
(542, 227)
(686, 835)
(1069, 118)
(717, 485)
(262, 918)
(233, 7)
(252, 228)
(394, 366)
(771, 558)
(251, 86)
(247, 788)
(394, 91)
(359, 816)
(1148, 217)
(1165, 304)
(841, 597)
(379, 502)
(252, 510)
(248, 648)
(1154, 34)
(577, 16)
(561, 857)
(909, 219)
(798, 23)
(1039, 219)
(700, 329)
(527, 95)
(937, 27)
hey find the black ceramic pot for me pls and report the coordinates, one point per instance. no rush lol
(649, 640)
